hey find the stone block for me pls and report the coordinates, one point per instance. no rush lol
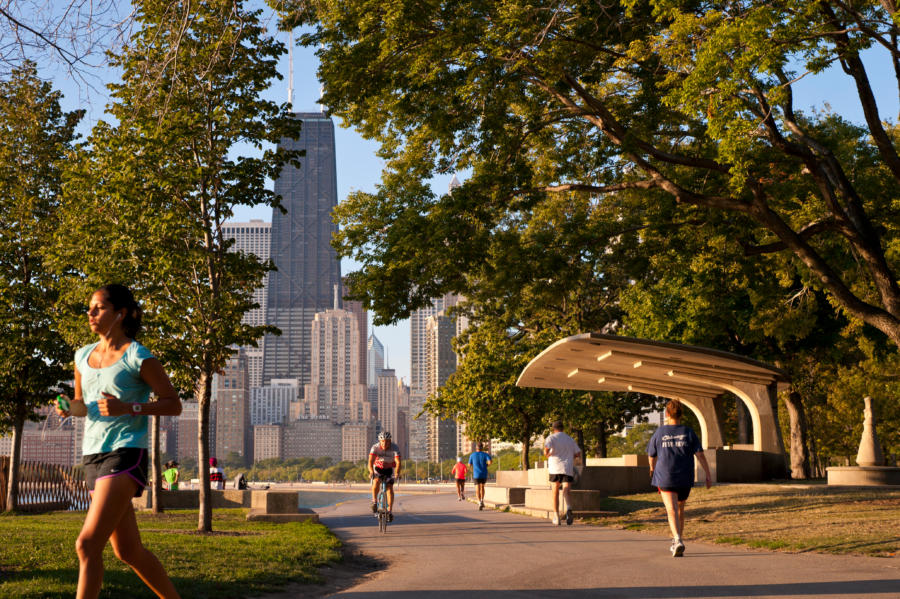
(582, 501)
(864, 476)
(275, 502)
(497, 495)
(512, 478)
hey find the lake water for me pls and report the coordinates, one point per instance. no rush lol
(310, 499)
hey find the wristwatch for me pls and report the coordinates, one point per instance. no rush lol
(136, 409)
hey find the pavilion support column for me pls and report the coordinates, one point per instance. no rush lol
(762, 401)
(710, 423)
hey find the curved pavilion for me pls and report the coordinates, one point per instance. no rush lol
(697, 376)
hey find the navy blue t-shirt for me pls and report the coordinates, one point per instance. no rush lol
(674, 446)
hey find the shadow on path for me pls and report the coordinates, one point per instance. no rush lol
(856, 588)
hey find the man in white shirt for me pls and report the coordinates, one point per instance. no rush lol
(562, 451)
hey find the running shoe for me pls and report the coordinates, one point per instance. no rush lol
(374, 508)
(677, 548)
(554, 518)
(569, 517)
(480, 505)
(390, 516)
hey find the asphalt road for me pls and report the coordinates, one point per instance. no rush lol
(438, 547)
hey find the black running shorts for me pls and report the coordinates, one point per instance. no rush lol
(561, 478)
(128, 461)
(683, 492)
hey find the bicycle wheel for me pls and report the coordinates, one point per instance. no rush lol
(382, 521)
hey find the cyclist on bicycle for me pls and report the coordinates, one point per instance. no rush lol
(384, 457)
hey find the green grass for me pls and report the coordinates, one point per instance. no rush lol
(239, 559)
(782, 517)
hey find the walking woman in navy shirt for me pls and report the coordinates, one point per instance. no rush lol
(672, 449)
(114, 378)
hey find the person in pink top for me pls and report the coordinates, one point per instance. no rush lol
(459, 473)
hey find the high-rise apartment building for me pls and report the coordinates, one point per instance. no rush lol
(335, 391)
(362, 323)
(271, 404)
(51, 440)
(418, 385)
(232, 400)
(388, 401)
(440, 364)
(267, 442)
(187, 430)
(312, 439)
(253, 237)
(308, 267)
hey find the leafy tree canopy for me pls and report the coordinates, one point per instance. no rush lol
(675, 100)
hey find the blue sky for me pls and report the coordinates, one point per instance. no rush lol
(359, 168)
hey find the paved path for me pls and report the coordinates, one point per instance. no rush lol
(440, 548)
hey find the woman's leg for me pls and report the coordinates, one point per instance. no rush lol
(126, 541)
(111, 497)
(681, 518)
(670, 500)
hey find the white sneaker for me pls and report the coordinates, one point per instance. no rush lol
(555, 519)
(677, 548)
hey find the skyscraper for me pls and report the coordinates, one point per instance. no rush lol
(232, 400)
(441, 363)
(334, 391)
(254, 237)
(374, 360)
(308, 267)
(418, 371)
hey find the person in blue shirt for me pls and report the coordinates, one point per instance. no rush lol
(114, 378)
(480, 460)
(672, 450)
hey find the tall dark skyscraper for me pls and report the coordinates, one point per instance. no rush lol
(308, 267)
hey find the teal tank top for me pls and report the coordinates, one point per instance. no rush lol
(122, 380)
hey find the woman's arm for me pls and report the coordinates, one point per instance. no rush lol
(76, 406)
(701, 457)
(166, 404)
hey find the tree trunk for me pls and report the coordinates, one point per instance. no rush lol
(155, 470)
(204, 392)
(579, 438)
(799, 432)
(12, 488)
(600, 445)
(526, 447)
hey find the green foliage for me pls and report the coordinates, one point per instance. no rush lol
(36, 139)
(634, 442)
(482, 392)
(689, 105)
(153, 191)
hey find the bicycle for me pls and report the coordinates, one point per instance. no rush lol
(382, 505)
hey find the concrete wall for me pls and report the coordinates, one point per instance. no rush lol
(741, 466)
(190, 499)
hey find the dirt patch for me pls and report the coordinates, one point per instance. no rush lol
(353, 569)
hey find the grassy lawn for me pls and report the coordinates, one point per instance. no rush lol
(786, 517)
(239, 559)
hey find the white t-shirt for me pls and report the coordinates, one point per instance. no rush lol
(562, 453)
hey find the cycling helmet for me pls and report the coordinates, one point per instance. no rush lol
(384, 435)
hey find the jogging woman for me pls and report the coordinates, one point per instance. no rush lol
(114, 378)
(672, 449)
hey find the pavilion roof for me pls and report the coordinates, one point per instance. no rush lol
(599, 362)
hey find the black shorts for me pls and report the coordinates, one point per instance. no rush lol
(683, 492)
(128, 461)
(561, 478)
(385, 474)
(479, 481)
